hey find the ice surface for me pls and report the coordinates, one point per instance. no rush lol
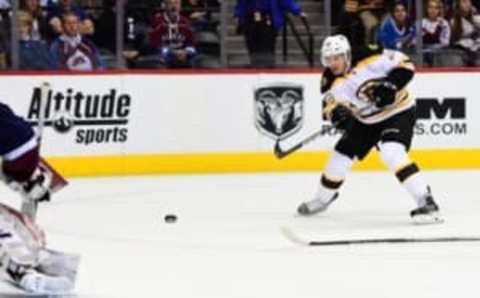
(227, 241)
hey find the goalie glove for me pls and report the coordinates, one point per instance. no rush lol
(36, 188)
(384, 94)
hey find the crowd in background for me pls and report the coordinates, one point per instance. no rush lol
(449, 28)
(80, 35)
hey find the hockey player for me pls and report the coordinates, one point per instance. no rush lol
(366, 97)
(23, 256)
(20, 160)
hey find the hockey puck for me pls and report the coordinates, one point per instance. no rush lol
(170, 218)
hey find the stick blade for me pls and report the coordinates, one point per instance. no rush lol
(294, 238)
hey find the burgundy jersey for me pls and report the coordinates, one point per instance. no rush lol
(172, 32)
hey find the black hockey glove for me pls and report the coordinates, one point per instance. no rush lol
(342, 117)
(384, 94)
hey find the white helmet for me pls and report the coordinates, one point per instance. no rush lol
(336, 45)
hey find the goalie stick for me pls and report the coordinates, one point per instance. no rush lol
(398, 240)
(29, 207)
(280, 153)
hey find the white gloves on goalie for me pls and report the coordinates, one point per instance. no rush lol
(27, 262)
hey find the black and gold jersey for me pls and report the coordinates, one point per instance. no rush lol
(355, 88)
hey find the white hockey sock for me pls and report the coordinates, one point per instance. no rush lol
(335, 172)
(417, 187)
(396, 158)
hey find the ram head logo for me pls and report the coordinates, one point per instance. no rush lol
(279, 109)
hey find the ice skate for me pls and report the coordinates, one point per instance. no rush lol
(315, 206)
(427, 214)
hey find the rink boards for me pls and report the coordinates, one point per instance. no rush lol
(212, 122)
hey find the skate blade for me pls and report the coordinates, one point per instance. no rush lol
(305, 212)
(428, 219)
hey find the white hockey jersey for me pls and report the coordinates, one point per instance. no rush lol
(354, 89)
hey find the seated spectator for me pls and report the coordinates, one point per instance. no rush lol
(370, 13)
(397, 32)
(57, 10)
(33, 53)
(135, 33)
(172, 37)
(73, 51)
(435, 30)
(39, 21)
(199, 12)
(466, 30)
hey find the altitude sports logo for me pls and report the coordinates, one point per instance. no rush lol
(95, 118)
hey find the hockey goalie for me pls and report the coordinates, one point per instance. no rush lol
(24, 258)
(366, 98)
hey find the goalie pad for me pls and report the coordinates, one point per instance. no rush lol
(27, 261)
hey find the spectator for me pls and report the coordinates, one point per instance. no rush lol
(106, 28)
(260, 22)
(396, 31)
(57, 10)
(466, 30)
(370, 13)
(435, 30)
(135, 33)
(5, 4)
(200, 13)
(33, 53)
(39, 21)
(72, 51)
(193, 9)
(450, 6)
(172, 36)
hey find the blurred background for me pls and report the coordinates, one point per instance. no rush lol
(88, 35)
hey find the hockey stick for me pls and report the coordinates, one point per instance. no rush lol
(29, 207)
(280, 153)
(297, 240)
(44, 90)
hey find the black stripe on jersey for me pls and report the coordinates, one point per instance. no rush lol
(400, 77)
(330, 184)
(407, 171)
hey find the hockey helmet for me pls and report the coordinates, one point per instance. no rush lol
(336, 45)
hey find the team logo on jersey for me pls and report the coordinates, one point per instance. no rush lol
(279, 109)
(366, 90)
